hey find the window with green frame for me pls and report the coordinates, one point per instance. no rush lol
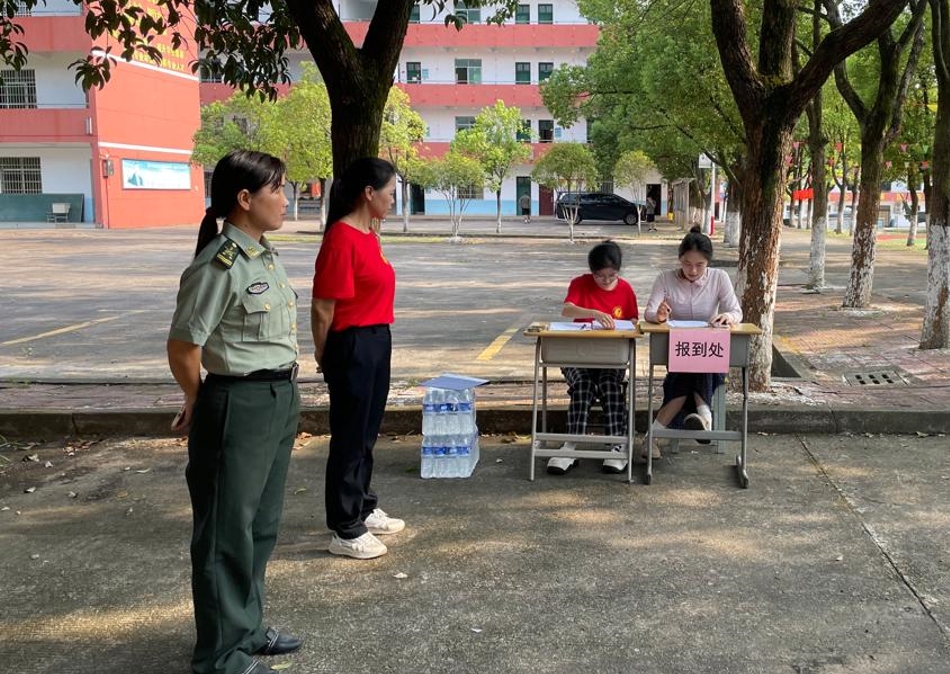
(413, 71)
(546, 13)
(414, 14)
(522, 72)
(468, 14)
(524, 131)
(544, 71)
(523, 14)
(465, 122)
(468, 71)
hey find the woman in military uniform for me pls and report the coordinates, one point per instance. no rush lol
(236, 316)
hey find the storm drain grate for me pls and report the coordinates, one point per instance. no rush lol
(876, 378)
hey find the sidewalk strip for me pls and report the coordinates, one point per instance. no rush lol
(60, 331)
(498, 344)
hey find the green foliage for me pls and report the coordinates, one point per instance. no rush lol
(493, 143)
(234, 124)
(402, 129)
(632, 170)
(566, 167)
(452, 176)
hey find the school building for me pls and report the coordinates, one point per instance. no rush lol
(119, 157)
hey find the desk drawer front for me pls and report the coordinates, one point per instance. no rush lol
(585, 351)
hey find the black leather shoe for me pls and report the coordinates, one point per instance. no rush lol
(278, 643)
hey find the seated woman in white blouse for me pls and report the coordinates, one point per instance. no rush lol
(691, 292)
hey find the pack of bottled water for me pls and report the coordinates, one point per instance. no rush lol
(449, 432)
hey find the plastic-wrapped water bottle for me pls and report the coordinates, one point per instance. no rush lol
(466, 412)
(451, 457)
(428, 457)
(464, 458)
(430, 410)
(451, 416)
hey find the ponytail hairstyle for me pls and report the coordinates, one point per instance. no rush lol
(238, 170)
(605, 255)
(348, 188)
(697, 241)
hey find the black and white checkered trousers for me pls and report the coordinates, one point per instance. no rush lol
(584, 385)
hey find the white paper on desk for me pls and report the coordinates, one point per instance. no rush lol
(568, 327)
(688, 324)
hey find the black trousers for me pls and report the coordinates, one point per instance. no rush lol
(238, 453)
(356, 366)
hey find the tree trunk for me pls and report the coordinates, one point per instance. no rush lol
(914, 208)
(296, 192)
(324, 200)
(757, 275)
(819, 183)
(498, 210)
(935, 333)
(861, 280)
(405, 205)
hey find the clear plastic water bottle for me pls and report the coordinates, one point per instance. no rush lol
(464, 458)
(451, 418)
(466, 412)
(451, 458)
(428, 457)
(430, 410)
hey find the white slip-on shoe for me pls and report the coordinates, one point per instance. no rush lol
(559, 465)
(378, 522)
(615, 465)
(366, 546)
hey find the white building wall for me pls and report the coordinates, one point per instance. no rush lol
(438, 65)
(64, 170)
(565, 11)
(55, 83)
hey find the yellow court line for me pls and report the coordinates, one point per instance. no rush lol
(492, 350)
(60, 331)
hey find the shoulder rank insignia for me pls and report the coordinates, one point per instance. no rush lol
(227, 254)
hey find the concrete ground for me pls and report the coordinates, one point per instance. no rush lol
(834, 561)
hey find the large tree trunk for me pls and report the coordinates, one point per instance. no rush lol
(935, 333)
(771, 100)
(816, 147)
(358, 79)
(860, 282)
(912, 177)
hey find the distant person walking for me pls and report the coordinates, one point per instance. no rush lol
(237, 316)
(354, 287)
(651, 214)
(524, 202)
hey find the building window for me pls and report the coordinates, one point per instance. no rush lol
(23, 10)
(522, 73)
(413, 71)
(544, 71)
(414, 14)
(524, 133)
(523, 14)
(20, 175)
(468, 71)
(546, 13)
(210, 72)
(470, 192)
(462, 123)
(462, 11)
(18, 89)
(546, 130)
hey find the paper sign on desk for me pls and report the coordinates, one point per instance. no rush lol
(704, 350)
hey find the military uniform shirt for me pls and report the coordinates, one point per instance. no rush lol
(236, 303)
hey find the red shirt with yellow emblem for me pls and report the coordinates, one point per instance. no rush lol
(352, 270)
(620, 303)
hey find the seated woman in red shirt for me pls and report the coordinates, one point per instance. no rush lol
(600, 296)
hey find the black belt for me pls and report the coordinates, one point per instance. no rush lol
(290, 374)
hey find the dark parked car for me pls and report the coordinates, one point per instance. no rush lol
(599, 206)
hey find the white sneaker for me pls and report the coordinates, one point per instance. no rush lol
(559, 465)
(366, 546)
(656, 449)
(615, 465)
(378, 522)
(697, 422)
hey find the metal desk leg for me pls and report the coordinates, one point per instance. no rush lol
(631, 405)
(649, 436)
(741, 464)
(534, 409)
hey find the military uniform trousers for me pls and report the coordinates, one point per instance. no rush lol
(356, 369)
(238, 453)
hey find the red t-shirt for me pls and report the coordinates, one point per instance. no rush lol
(621, 302)
(352, 270)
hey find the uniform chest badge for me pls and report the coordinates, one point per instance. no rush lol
(258, 288)
(617, 312)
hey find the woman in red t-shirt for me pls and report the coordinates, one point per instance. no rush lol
(600, 296)
(353, 291)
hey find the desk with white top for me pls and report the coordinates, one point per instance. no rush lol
(738, 358)
(586, 348)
